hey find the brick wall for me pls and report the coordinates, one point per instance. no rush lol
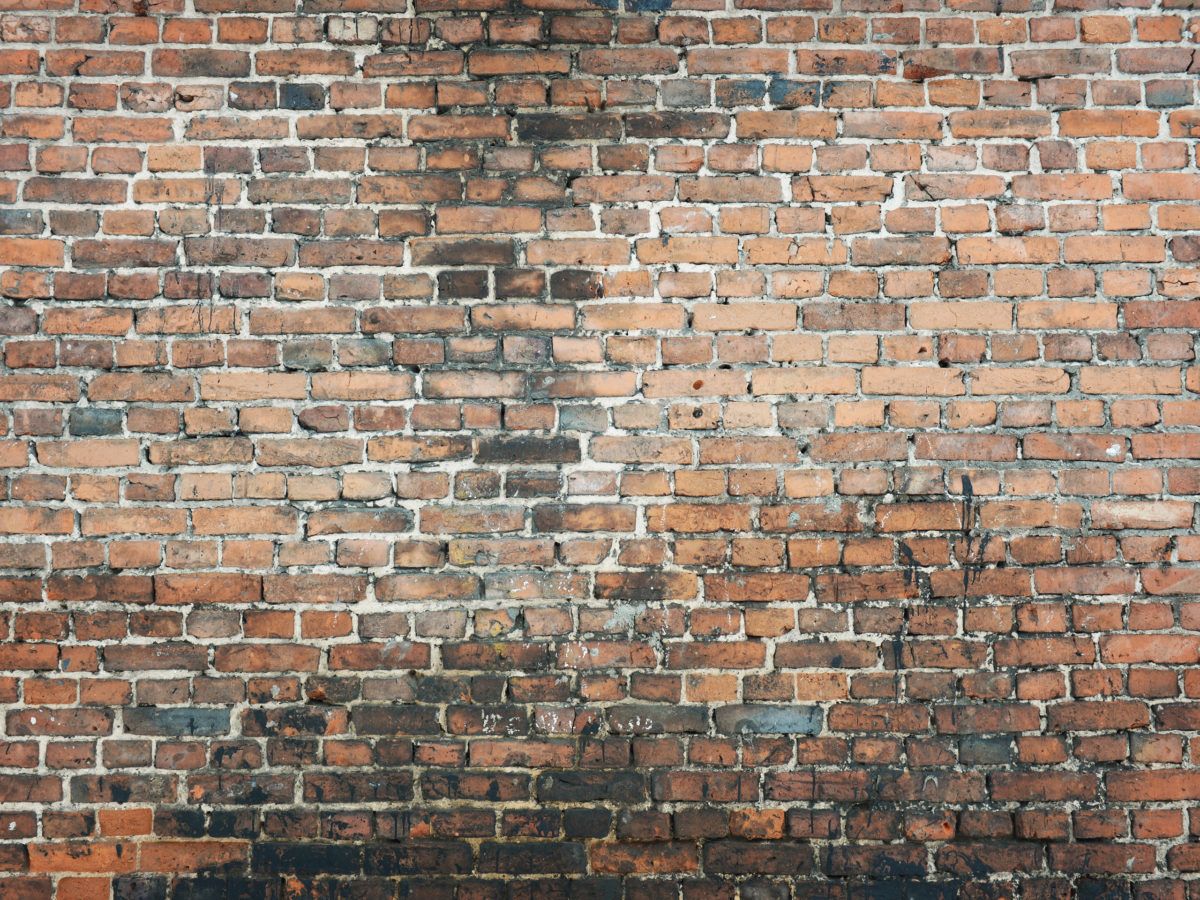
(494, 449)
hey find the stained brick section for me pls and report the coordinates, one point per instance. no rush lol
(617, 449)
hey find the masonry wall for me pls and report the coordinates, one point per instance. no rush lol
(599, 449)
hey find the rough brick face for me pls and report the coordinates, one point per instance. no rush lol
(500, 449)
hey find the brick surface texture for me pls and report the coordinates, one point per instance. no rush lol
(599, 449)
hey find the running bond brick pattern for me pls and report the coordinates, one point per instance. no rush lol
(481, 449)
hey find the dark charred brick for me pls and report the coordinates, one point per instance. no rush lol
(179, 823)
(758, 858)
(528, 450)
(443, 252)
(140, 887)
(898, 861)
(568, 284)
(96, 422)
(306, 858)
(183, 721)
(463, 285)
(217, 887)
(532, 858)
(344, 787)
(591, 786)
(301, 96)
(587, 823)
(288, 721)
(569, 127)
(122, 788)
(419, 858)
(678, 125)
(395, 720)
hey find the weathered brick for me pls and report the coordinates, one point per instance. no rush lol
(586, 423)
